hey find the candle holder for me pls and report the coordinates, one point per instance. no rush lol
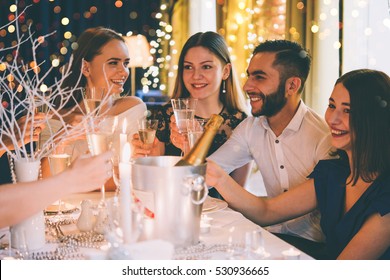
(291, 254)
(32, 228)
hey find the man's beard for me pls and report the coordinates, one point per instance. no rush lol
(272, 103)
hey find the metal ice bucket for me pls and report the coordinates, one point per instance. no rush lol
(179, 193)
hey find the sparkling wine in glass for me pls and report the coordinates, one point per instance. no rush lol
(99, 131)
(181, 116)
(147, 135)
(97, 100)
(91, 105)
(41, 107)
(184, 109)
(147, 131)
(195, 128)
(59, 160)
(98, 142)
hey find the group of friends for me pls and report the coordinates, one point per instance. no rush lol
(327, 180)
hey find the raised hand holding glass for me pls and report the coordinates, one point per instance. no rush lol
(100, 132)
(195, 128)
(147, 131)
(184, 109)
(59, 160)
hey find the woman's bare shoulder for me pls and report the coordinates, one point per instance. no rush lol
(125, 103)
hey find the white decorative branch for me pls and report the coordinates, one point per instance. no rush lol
(26, 102)
(26, 99)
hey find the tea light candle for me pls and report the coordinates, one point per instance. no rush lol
(205, 224)
(123, 137)
(204, 227)
(291, 254)
(125, 193)
(206, 219)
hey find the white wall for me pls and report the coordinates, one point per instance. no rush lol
(203, 16)
(366, 35)
(325, 65)
(365, 44)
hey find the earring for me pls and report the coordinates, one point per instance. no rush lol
(224, 86)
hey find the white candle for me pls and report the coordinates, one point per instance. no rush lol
(125, 193)
(123, 137)
(291, 254)
(205, 224)
(204, 227)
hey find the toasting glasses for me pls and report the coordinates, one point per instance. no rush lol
(59, 160)
(99, 131)
(97, 101)
(147, 131)
(184, 110)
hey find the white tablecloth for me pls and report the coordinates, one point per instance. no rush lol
(226, 227)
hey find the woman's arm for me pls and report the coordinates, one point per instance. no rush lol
(38, 126)
(19, 201)
(294, 203)
(371, 241)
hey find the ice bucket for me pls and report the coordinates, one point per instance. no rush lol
(179, 193)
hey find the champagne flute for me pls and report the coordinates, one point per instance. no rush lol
(147, 131)
(59, 160)
(115, 173)
(254, 245)
(195, 128)
(99, 131)
(184, 109)
(96, 100)
(41, 107)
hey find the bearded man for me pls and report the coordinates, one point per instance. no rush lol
(283, 136)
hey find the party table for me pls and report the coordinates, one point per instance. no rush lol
(223, 234)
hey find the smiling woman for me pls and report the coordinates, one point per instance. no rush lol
(205, 73)
(100, 61)
(352, 192)
(114, 71)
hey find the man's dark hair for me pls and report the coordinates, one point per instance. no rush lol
(292, 60)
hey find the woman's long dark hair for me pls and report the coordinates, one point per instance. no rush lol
(369, 92)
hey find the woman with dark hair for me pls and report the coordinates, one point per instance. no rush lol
(100, 61)
(352, 192)
(205, 73)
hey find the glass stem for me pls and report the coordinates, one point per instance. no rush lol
(103, 192)
(59, 207)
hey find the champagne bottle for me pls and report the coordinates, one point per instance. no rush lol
(197, 154)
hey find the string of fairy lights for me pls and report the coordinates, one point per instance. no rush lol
(163, 46)
(66, 42)
(245, 24)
